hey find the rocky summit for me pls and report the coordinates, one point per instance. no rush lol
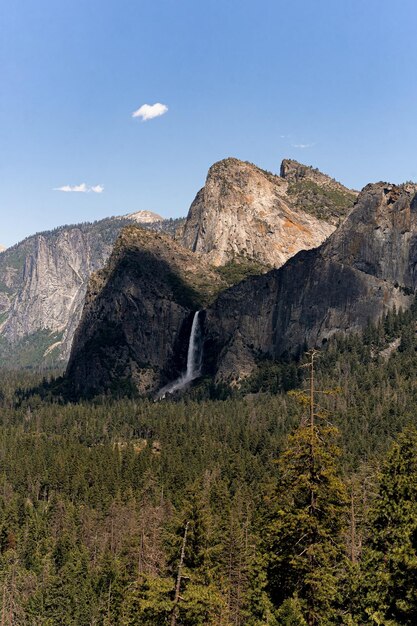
(244, 221)
(244, 212)
(144, 217)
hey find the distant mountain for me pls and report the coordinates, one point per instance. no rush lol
(246, 213)
(144, 217)
(43, 281)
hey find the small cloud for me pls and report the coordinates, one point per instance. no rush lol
(149, 111)
(80, 188)
(303, 145)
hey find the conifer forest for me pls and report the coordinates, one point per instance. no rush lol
(289, 501)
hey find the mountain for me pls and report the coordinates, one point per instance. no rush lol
(144, 217)
(138, 314)
(244, 221)
(364, 269)
(43, 281)
(246, 213)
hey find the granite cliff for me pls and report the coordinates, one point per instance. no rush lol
(316, 193)
(138, 314)
(43, 282)
(245, 221)
(246, 213)
(365, 268)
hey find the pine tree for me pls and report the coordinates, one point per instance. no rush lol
(390, 563)
(305, 540)
(201, 601)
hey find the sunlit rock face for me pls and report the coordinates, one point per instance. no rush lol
(244, 211)
(43, 283)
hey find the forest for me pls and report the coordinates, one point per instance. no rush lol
(291, 501)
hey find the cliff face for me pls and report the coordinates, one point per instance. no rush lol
(137, 318)
(136, 323)
(245, 219)
(43, 282)
(362, 270)
(245, 212)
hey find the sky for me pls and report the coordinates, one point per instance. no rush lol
(332, 84)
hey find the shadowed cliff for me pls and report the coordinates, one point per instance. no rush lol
(365, 268)
(137, 317)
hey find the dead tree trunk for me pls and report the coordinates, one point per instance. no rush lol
(177, 598)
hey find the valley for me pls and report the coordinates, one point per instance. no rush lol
(225, 400)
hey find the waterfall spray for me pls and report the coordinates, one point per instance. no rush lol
(194, 362)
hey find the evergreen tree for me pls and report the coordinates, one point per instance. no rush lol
(306, 537)
(390, 564)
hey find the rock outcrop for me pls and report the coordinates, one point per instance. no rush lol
(245, 219)
(137, 318)
(43, 282)
(365, 268)
(246, 212)
(316, 193)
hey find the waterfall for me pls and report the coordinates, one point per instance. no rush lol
(194, 362)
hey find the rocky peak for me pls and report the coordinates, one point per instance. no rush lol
(316, 193)
(137, 319)
(144, 217)
(380, 236)
(246, 212)
(293, 171)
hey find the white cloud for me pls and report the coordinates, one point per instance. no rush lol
(149, 111)
(302, 145)
(80, 188)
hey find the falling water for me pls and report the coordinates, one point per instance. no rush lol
(194, 358)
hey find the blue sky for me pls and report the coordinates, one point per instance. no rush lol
(255, 80)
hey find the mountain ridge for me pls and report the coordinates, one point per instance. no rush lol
(364, 269)
(138, 313)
